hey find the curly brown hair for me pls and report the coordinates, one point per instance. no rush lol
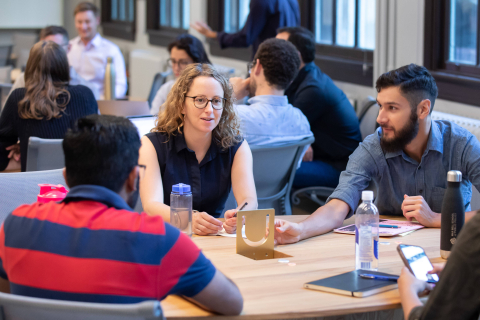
(171, 120)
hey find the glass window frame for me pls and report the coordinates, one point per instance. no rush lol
(456, 82)
(157, 34)
(347, 64)
(116, 28)
(216, 20)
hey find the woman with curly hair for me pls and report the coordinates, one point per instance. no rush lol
(197, 141)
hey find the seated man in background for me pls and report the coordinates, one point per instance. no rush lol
(89, 51)
(456, 295)
(332, 118)
(270, 118)
(60, 36)
(92, 246)
(407, 158)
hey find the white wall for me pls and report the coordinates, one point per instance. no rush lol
(24, 14)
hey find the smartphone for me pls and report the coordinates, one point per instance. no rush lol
(417, 261)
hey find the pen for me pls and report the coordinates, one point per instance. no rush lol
(240, 209)
(388, 226)
(378, 277)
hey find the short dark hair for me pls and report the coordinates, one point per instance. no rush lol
(101, 150)
(53, 30)
(303, 39)
(86, 6)
(279, 60)
(192, 46)
(414, 81)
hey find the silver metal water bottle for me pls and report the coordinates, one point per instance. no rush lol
(453, 213)
(109, 80)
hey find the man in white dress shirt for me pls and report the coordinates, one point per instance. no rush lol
(270, 119)
(89, 51)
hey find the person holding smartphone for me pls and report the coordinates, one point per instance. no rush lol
(456, 295)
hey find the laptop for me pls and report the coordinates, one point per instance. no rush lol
(123, 108)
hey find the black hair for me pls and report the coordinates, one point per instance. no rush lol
(101, 150)
(192, 46)
(414, 81)
(53, 30)
(303, 39)
(279, 60)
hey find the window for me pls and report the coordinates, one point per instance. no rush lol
(345, 35)
(166, 19)
(118, 18)
(175, 14)
(228, 16)
(236, 13)
(451, 50)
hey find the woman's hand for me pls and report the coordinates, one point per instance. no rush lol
(14, 152)
(408, 283)
(230, 224)
(204, 224)
(437, 268)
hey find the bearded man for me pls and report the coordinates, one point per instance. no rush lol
(407, 158)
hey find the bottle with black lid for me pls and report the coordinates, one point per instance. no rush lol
(453, 213)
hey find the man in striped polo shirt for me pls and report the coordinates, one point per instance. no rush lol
(92, 247)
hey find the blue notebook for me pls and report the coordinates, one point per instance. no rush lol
(351, 284)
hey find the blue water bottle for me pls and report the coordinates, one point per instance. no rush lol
(181, 208)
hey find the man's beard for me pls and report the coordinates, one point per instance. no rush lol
(252, 87)
(403, 137)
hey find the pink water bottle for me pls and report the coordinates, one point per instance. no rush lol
(51, 192)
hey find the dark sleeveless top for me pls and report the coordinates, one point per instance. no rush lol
(210, 179)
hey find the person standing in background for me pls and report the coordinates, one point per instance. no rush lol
(265, 17)
(89, 51)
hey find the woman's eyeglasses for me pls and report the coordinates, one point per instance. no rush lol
(181, 63)
(201, 102)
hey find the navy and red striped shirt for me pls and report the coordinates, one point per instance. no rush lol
(91, 247)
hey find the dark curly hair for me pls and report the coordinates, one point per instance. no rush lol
(303, 39)
(414, 81)
(192, 46)
(279, 60)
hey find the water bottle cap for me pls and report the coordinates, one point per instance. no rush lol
(51, 192)
(181, 188)
(367, 195)
(454, 176)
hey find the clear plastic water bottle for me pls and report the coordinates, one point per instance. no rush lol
(181, 208)
(366, 233)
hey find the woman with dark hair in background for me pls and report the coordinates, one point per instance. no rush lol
(45, 108)
(186, 49)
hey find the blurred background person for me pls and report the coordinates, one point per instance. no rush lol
(89, 51)
(332, 118)
(186, 49)
(45, 108)
(265, 17)
(58, 35)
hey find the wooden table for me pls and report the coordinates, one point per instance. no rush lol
(273, 290)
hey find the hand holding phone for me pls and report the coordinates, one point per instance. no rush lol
(417, 262)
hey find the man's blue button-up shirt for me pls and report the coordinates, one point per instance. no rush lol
(449, 147)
